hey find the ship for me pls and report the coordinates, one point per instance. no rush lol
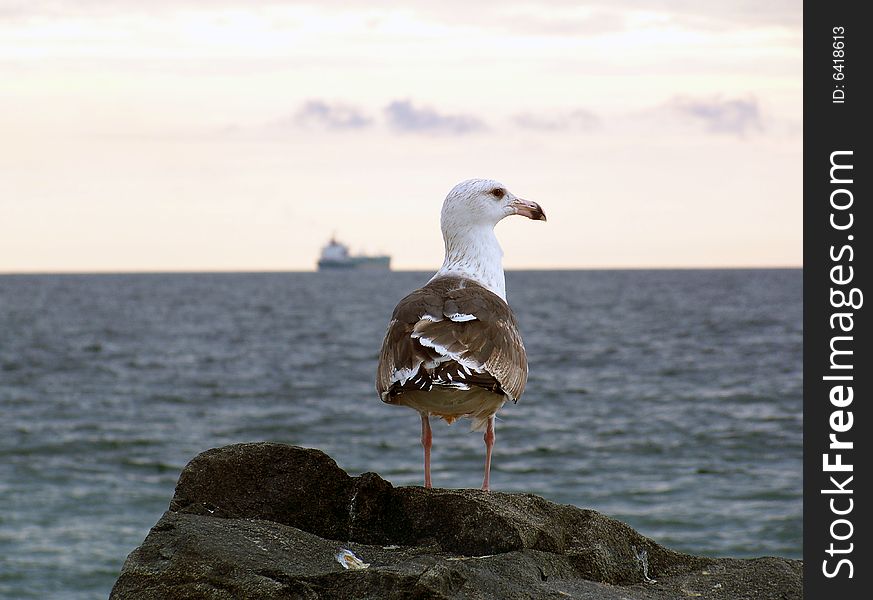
(335, 255)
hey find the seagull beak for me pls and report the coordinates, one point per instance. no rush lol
(528, 209)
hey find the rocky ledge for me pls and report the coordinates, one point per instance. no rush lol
(267, 520)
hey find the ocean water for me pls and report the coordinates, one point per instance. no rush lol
(668, 399)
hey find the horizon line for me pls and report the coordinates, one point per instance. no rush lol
(404, 270)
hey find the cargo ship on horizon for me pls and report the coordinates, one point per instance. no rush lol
(335, 255)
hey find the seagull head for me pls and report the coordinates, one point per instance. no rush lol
(485, 202)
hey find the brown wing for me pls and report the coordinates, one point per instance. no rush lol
(453, 332)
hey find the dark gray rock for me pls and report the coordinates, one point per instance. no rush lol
(266, 520)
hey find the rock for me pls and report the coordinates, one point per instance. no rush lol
(266, 521)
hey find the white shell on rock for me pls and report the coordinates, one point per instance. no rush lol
(348, 560)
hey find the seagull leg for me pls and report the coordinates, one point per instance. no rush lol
(489, 443)
(425, 442)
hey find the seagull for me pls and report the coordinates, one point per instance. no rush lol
(452, 348)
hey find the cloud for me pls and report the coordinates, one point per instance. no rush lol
(713, 115)
(528, 19)
(596, 16)
(400, 116)
(737, 116)
(599, 15)
(576, 120)
(403, 116)
(318, 113)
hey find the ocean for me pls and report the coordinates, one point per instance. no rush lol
(668, 399)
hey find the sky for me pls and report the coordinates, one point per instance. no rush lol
(234, 135)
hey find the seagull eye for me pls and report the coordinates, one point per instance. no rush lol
(498, 192)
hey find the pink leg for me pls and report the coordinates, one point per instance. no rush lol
(425, 442)
(489, 443)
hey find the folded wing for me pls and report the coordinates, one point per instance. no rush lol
(452, 333)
